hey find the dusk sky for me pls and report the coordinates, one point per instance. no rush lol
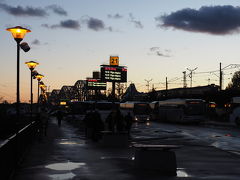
(155, 39)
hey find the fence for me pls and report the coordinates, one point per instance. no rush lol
(12, 149)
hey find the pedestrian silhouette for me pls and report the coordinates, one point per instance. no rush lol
(59, 115)
(115, 121)
(43, 121)
(120, 126)
(128, 122)
(110, 121)
(98, 126)
(88, 122)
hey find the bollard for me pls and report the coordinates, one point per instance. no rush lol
(159, 158)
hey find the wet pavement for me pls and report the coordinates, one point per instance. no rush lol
(65, 153)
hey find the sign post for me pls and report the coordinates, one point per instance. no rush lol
(113, 73)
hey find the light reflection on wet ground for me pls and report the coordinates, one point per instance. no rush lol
(62, 176)
(69, 143)
(182, 173)
(114, 157)
(68, 166)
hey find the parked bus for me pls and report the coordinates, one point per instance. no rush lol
(234, 115)
(139, 110)
(179, 110)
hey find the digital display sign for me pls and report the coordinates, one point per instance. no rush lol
(113, 73)
(96, 84)
(114, 60)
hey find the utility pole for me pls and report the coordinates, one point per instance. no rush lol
(113, 90)
(166, 87)
(184, 80)
(191, 74)
(220, 77)
(148, 82)
(166, 84)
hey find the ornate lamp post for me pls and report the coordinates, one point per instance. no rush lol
(31, 65)
(43, 90)
(39, 77)
(18, 34)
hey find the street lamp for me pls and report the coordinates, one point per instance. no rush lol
(43, 90)
(31, 65)
(39, 77)
(18, 34)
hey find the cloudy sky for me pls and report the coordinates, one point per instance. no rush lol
(155, 39)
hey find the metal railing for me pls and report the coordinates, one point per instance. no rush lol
(13, 149)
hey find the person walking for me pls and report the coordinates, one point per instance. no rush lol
(98, 126)
(110, 121)
(128, 121)
(120, 124)
(44, 121)
(59, 117)
(88, 122)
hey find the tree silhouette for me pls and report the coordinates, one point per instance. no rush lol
(235, 83)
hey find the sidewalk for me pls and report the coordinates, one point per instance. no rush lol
(65, 154)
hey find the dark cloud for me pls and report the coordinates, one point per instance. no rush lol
(137, 24)
(23, 11)
(115, 16)
(95, 24)
(208, 19)
(57, 9)
(157, 51)
(72, 24)
(36, 42)
(69, 24)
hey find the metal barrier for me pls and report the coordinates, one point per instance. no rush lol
(12, 149)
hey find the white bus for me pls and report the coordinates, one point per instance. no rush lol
(179, 110)
(139, 110)
(234, 115)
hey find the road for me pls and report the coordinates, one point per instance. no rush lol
(225, 138)
(65, 153)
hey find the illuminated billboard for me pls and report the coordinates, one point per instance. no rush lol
(96, 84)
(113, 73)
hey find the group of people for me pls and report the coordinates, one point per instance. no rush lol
(93, 125)
(115, 122)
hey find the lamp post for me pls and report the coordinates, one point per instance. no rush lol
(18, 34)
(31, 65)
(43, 89)
(39, 77)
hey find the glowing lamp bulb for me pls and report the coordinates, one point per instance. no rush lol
(31, 64)
(18, 32)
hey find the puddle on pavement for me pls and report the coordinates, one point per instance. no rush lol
(113, 157)
(62, 176)
(68, 166)
(69, 142)
(182, 173)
